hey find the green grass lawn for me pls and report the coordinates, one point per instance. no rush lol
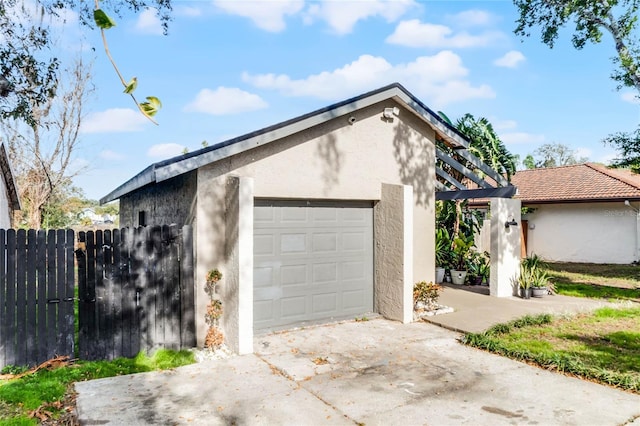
(603, 346)
(596, 280)
(52, 390)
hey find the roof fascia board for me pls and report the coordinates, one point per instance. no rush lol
(143, 178)
(461, 168)
(582, 201)
(9, 179)
(179, 167)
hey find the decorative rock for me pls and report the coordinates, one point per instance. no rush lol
(431, 311)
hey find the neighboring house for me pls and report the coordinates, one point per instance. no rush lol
(581, 213)
(89, 213)
(9, 199)
(328, 215)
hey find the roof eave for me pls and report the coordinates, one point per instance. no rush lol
(173, 167)
(143, 178)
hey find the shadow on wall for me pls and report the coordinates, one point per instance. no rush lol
(414, 154)
(327, 150)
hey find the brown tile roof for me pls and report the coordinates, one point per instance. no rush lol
(576, 183)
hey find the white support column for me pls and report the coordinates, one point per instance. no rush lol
(238, 284)
(393, 228)
(505, 247)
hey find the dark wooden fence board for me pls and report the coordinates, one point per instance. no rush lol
(135, 292)
(139, 291)
(187, 290)
(41, 267)
(10, 348)
(32, 297)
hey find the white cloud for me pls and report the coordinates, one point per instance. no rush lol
(510, 59)
(343, 16)
(109, 155)
(188, 11)
(225, 101)
(414, 33)
(472, 18)
(505, 124)
(115, 120)
(439, 79)
(149, 23)
(519, 138)
(583, 152)
(608, 158)
(631, 97)
(165, 150)
(269, 16)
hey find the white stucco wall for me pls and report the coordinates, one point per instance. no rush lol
(336, 160)
(5, 209)
(585, 232)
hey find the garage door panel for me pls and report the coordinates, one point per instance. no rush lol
(263, 276)
(293, 243)
(311, 263)
(351, 271)
(326, 242)
(293, 307)
(264, 215)
(326, 303)
(291, 215)
(293, 275)
(263, 245)
(325, 272)
(353, 299)
(354, 241)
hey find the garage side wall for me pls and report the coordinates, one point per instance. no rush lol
(585, 232)
(164, 203)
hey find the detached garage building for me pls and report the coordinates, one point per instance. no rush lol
(326, 216)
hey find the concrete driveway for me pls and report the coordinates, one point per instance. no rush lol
(376, 372)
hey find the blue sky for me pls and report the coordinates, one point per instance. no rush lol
(230, 67)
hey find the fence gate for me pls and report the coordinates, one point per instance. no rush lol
(36, 295)
(135, 291)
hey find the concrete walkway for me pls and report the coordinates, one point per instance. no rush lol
(376, 372)
(475, 311)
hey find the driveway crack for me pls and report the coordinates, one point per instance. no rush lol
(276, 370)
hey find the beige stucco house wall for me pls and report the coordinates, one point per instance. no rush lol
(584, 232)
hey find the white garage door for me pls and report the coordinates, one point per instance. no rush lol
(313, 261)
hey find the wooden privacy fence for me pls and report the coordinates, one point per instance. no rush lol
(135, 292)
(36, 295)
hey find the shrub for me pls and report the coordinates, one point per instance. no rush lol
(426, 292)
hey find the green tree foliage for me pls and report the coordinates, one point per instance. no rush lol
(486, 145)
(28, 66)
(628, 146)
(591, 18)
(529, 162)
(553, 155)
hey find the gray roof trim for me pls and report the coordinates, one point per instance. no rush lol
(178, 165)
(7, 172)
(143, 178)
